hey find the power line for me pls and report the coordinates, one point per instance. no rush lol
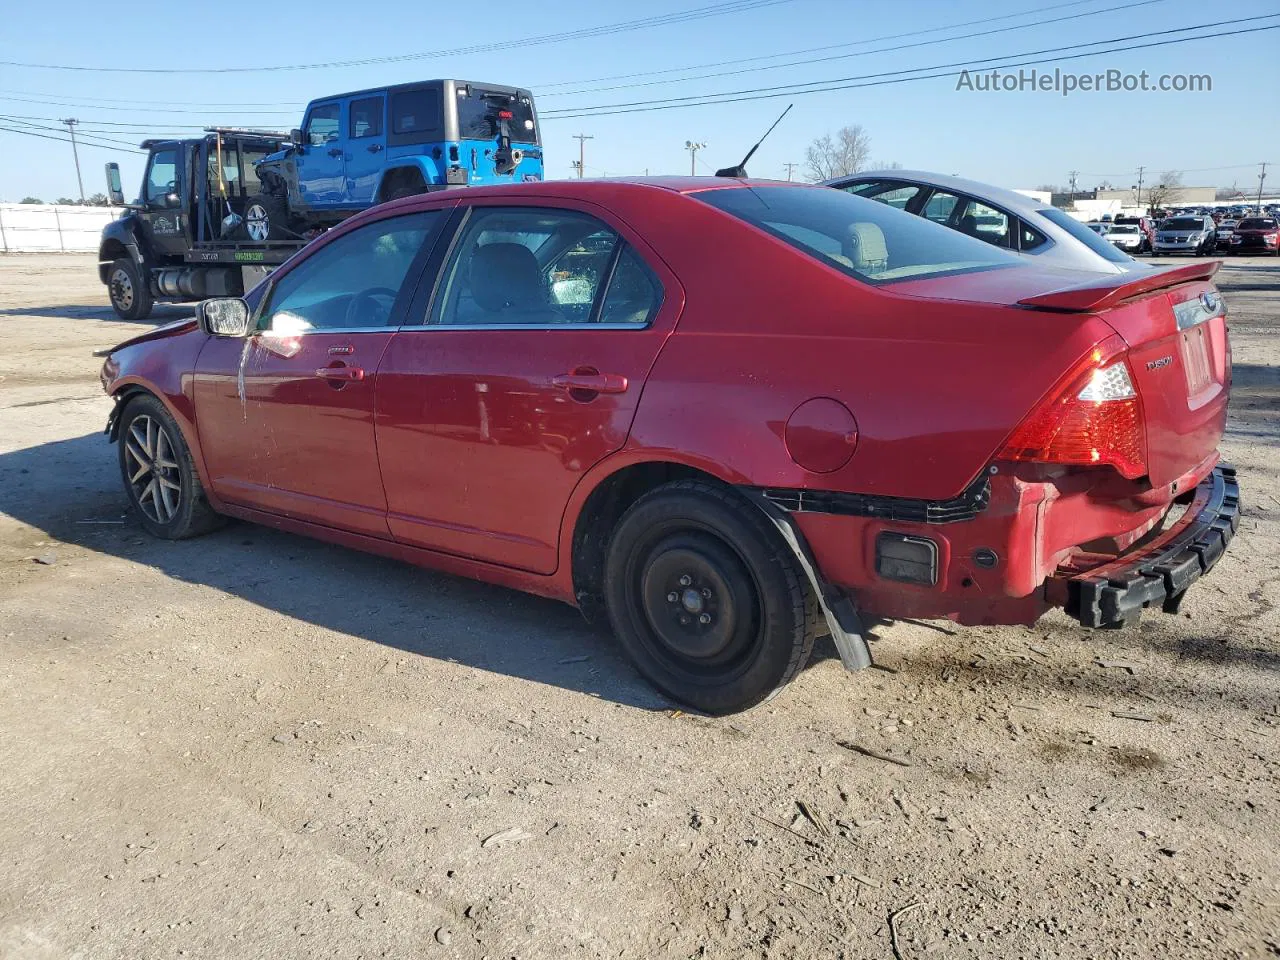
(859, 53)
(894, 76)
(5, 94)
(699, 13)
(796, 53)
(93, 139)
(46, 136)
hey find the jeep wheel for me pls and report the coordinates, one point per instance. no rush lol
(266, 218)
(130, 293)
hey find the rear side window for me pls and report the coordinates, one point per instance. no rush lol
(1030, 238)
(1103, 248)
(864, 239)
(366, 118)
(415, 111)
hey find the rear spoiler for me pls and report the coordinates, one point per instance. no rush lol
(1108, 291)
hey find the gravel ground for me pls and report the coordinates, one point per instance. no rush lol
(256, 745)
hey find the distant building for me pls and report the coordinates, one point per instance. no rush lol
(1182, 196)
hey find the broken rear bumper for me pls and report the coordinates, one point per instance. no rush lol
(1159, 572)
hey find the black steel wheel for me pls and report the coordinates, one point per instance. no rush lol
(159, 474)
(706, 598)
(129, 290)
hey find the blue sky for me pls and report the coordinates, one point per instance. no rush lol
(1012, 139)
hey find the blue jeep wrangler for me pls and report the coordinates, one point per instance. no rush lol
(359, 149)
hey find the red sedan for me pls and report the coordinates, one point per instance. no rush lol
(730, 416)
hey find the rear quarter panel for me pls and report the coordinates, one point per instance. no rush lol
(935, 386)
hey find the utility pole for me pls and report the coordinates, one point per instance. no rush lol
(693, 149)
(1073, 176)
(1140, 172)
(71, 126)
(790, 167)
(1262, 177)
(582, 139)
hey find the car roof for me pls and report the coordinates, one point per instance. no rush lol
(1010, 199)
(417, 84)
(600, 189)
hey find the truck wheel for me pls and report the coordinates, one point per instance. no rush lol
(130, 293)
(267, 218)
(706, 598)
(411, 191)
(159, 474)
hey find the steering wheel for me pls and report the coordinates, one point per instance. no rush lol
(368, 309)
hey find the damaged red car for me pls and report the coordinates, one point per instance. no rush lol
(729, 416)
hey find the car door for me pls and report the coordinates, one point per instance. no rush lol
(366, 145)
(285, 417)
(524, 373)
(320, 160)
(162, 214)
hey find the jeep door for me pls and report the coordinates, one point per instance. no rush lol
(366, 147)
(321, 167)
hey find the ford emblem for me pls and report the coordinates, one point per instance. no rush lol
(1210, 300)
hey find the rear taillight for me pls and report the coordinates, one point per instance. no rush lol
(1093, 417)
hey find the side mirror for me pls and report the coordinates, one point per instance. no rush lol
(295, 137)
(224, 317)
(115, 192)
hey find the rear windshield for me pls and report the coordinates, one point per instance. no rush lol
(1183, 223)
(1256, 223)
(1123, 228)
(865, 239)
(1103, 248)
(479, 112)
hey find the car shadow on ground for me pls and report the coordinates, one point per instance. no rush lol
(1255, 402)
(163, 313)
(70, 490)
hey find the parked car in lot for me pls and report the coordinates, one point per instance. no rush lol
(1195, 235)
(1002, 218)
(1098, 227)
(1222, 234)
(1256, 235)
(846, 411)
(1146, 224)
(1128, 237)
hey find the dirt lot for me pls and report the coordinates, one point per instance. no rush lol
(254, 745)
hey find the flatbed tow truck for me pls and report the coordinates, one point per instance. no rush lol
(186, 236)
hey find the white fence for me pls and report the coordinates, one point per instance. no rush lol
(35, 227)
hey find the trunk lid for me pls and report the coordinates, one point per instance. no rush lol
(1174, 322)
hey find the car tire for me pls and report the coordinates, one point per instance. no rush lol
(739, 628)
(159, 473)
(130, 294)
(266, 217)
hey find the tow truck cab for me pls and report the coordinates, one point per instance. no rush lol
(358, 149)
(186, 236)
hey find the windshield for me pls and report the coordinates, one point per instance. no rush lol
(478, 114)
(1257, 223)
(867, 240)
(1103, 248)
(1123, 228)
(1183, 223)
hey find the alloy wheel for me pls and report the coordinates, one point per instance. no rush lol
(257, 222)
(154, 476)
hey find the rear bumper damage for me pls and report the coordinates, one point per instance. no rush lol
(1159, 573)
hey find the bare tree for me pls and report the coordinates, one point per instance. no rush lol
(1164, 190)
(98, 200)
(885, 165)
(845, 153)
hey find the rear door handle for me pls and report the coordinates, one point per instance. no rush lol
(591, 382)
(340, 374)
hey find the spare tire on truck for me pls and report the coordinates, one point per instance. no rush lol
(266, 217)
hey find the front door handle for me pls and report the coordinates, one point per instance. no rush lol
(592, 383)
(335, 152)
(340, 374)
(374, 148)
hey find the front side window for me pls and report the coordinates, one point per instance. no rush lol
(859, 237)
(541, 267)
(162, 178)
(891, 192)
(322, 125)
(985, 223)
(940, 207)
(366, 118)
(351, 283)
